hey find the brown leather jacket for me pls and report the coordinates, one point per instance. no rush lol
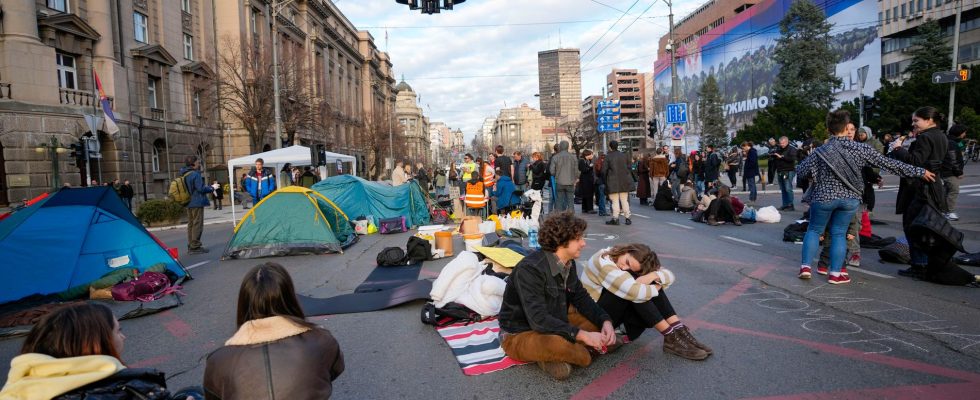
(659, 166)
(274, 358)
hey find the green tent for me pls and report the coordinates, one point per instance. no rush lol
(291, 221)
(358, 197)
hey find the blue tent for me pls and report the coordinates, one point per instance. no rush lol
(72, 238)
(357, 197)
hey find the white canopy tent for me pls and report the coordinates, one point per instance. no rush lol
(275, 159)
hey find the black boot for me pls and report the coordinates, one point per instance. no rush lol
(914, 271)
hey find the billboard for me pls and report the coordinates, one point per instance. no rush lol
(739, 55)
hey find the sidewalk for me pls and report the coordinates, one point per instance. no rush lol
(211, 216)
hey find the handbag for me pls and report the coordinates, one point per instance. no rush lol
(146, 287)
(392, 225)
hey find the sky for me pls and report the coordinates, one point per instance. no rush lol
(468, 63)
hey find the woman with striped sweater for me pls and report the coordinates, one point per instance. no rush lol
(628, 283)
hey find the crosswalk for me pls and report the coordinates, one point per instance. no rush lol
(968, 190)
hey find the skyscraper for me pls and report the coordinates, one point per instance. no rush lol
(560, 83)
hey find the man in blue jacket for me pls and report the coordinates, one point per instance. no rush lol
(504, 193)
(199, 199)
(260, 181)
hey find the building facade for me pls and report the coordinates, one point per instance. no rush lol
(560, 83)
(629, 87)
(589, 105)
(523, 128)
(414, 144)
(899, 22)
(708, 16)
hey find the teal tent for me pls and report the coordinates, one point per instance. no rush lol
(357, 197)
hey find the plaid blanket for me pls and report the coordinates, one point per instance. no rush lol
(477, 346)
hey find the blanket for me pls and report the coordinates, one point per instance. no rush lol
(477, 346)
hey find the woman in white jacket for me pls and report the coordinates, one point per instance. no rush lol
(628, 283)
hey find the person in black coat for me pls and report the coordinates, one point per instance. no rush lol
(126, 193)
(586, 181)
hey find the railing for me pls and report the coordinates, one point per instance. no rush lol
(156, 114)
(76, 97)
(5, 91)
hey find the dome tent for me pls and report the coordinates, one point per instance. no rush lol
(293, 220)
(358, 197)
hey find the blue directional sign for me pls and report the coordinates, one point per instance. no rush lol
(677, 113)
(608, 119)
(609, 111)
(609, 127)
(608, 116)
(607, 103)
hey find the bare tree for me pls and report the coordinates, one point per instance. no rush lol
(301, 110)
(374, 141)
(581, 134)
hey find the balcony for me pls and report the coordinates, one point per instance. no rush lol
(156, 114)
(5, 91)
(74, 97)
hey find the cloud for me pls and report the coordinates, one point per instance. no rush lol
(466, 74)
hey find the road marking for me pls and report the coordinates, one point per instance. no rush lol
(742, 241)
(196, 265)
(970, 190)
(680, 225)
(638, 215)
(864, 271)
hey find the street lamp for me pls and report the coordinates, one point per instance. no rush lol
(276, 7)
(55, 149)
(429, 6)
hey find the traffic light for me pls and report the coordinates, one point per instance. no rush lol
(652, 128)
(77, 153)
(870, 109)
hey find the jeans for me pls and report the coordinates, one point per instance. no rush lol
(699, 186)
(750, 181)
(552, 191)
(600, 194)
(786, 186)
(565, 198)
(636, 317)
(835, 215)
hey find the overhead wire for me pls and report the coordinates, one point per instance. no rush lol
(609, 29)
(621, 32)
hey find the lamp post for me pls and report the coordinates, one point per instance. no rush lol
(54, 148)
(275, 8)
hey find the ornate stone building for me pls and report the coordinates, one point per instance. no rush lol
(415, 145)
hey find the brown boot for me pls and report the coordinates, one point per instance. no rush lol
(675, 344)
(557, 369)
(712, 221)
(686, 334)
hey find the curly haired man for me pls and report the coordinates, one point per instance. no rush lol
(547, 315)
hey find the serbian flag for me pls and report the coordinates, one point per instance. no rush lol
(110, 120)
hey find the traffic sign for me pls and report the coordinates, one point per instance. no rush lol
(677, 113)
(951, 76)
(607, 103)
(608, 111)
(608, 119)
(677, 132)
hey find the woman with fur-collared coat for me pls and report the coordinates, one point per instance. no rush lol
(276, 353)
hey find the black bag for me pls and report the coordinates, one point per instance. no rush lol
(895, 253)
(930, 225)
(795, 232)
(418, 250)
(391, 256)
(450, 314)
(875, 241)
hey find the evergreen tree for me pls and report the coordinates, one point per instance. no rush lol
(930, 52)
(710, 114)
(806, 60)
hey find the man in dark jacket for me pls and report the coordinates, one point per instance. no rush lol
(503, 162)
(126, 192)
(260, 182)
(619, 182)
(564, 171)
(536, 320)
(520, 171)
(712, 167)
(783, 161)
(195, 209)
(309, 178)
(952, 169)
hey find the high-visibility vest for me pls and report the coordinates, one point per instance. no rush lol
(488, 176)
(475, 195)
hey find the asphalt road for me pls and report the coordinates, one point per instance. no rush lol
(774, 336)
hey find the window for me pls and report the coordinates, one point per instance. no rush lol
(196, 103)
(895, 13)
(155, 156)
(888, 16)
(928, 4)
(185, 6)
(139, 25)
(903, 11)
(188, 47)
(151, 92)
(918, 6)
(66, 71)
(255, 21)
(879, 18)
(969, 52)
(60, 5)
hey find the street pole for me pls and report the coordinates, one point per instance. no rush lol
(673, 58)
(88, 164)
(139, 131)
(275, 71)
(956, 46)
(605, 135)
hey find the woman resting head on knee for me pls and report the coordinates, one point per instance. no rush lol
(275, 351)
(628, 282)
(73, 352)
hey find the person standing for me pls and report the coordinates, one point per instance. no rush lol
(308, 178)
(871, 175)
(697, 169)
(520, 171)
(468, 168)
(784, 163)
(219, 194)
(734, 160)
(619, 182)
(659, 168)
(439, 183)
(503, 163)
(712, 167)
(564, 169)
(422, 177)
(195, 209)
(600, 185)
(260, 181)
(539, 171)
(770, 176)
(126, 193)
(586, 181)
(453, 176)
(680, 170)
(398, 176)
(952, 169)
(751, 170)
(643, 184)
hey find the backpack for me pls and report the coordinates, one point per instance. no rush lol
(418, 250)
(178, 190)
(391, 256)
(895, 253)
(449, 314)
(795, 232)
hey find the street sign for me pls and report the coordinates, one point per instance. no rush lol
(607, 104)
(608, 116)
(951, 76)
(608, 119)
(677, 113)
(608, 111)
(677, 132)
(616, 127)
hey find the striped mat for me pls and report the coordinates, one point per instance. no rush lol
(477, 346)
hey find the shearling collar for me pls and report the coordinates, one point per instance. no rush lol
(265, 330)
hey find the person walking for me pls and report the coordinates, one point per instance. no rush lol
(751, 170)
(734, 160)
(260, 181)
(834, 170)
(619, 182)
(952, 169)
(195, 208)
(520, 171)
(219, 194)
(586, 181)
(600, 185)
(642, 171)
(564, 169)
(659, 168)
(784, 163)
(126, 193)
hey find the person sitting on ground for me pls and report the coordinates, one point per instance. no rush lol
(720, 210)
(707, 198)
(628, 282)
(689, 198)
(74, 353)
(547, 315)
(275, 351)
(664, 200)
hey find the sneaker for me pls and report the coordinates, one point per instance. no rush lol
(614, 221)
(822, 269)
(843, 271)
(629, 222)
(952, 216)
(199, 250)
(737, 222)
(557, 369)
(839, 279)
(804, 273)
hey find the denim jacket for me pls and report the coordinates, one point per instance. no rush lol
(537, 298)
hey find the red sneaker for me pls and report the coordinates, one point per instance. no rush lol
(804, 273)
(843, 271)
(822, 269)
(839, 279)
